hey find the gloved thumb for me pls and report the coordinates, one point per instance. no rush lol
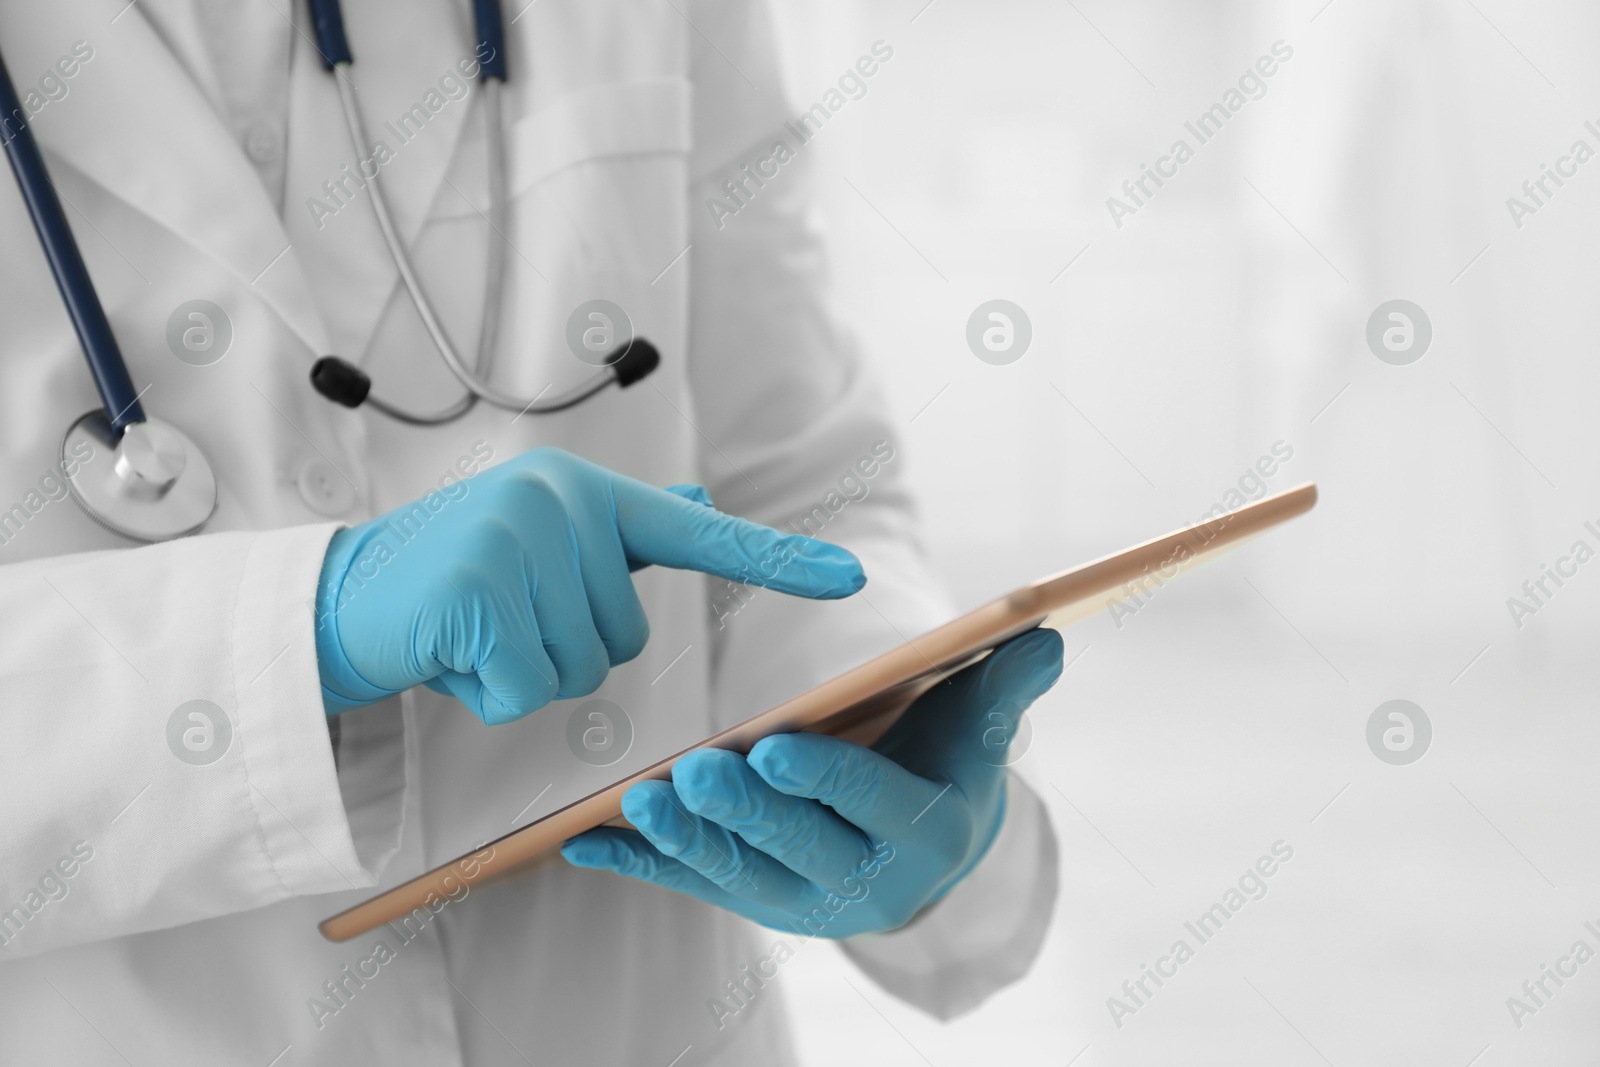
(964, 726)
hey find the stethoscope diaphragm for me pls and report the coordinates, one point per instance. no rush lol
(152, 484)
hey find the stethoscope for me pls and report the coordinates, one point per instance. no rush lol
(158, 484)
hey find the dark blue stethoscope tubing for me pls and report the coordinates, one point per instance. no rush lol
(110, 371)
(327, 21)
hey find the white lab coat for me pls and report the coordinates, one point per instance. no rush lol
(185, 931)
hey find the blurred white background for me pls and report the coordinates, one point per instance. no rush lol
(1229, 314)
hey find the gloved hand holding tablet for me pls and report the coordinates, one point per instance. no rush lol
(817, 835)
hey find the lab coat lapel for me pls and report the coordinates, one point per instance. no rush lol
(135, 123)
(402, 50)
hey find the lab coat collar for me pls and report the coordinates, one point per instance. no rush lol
(136, 124)
(133, 122)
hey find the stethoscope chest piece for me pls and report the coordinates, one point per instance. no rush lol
(153, 484)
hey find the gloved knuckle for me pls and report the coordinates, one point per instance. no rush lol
(695, 853)
(774, 757)
(893, 914)
(691, 491)
(560, 466)
(626, 641)
(713, 863)
(523, 702)
(833, 782)
(534, 491)
(619, 617)
(948, 849)
(791, 837)
(497, 539)
(465, 577)
(736, 802)
(710, 526)
(531, 688)
(699, 786)
(543, 687)
(585, 674)
(852, 783)
(636, 865)
(547, 457)
(730, 876)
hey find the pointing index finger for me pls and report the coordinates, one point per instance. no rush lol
(658, 527)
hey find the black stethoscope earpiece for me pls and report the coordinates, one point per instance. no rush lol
(344, 383)
(347, 384)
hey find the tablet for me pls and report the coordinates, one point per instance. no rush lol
(861, 703)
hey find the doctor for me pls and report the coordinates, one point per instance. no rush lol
(214, 742)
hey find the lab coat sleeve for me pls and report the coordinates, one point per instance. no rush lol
(986, 932)
(167, 756)
(795, 433)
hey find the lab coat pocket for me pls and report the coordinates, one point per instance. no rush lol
(598, 211)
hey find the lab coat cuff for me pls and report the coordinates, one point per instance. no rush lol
(308, 827)
(371, 761)
(983, 934)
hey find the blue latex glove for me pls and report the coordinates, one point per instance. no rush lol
(512, 588)
(825, 838)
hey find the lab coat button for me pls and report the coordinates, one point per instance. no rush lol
(261, 143)
(324, 489)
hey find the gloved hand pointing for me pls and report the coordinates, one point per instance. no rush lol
(512, 589)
